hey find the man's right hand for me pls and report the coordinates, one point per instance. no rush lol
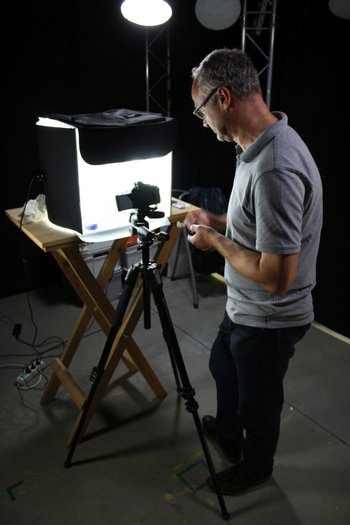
(218, 222)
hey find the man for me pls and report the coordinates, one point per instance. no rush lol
(269, 239)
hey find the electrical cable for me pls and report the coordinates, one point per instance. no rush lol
(35, 411)
(8, 319)
(38, 177)
(27, 199)
(11, 365)
(25, 384)
(32, 321)
(60, 342)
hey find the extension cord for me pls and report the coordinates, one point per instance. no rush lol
(29, 372)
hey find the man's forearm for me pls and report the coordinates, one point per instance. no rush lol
(276, 273)
(243, 260)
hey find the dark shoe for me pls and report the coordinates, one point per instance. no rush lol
(229, 453)
(235, 480)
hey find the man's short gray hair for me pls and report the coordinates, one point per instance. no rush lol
(229, 67)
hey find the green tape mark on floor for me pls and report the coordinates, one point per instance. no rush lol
(11, 489)
(184, 475)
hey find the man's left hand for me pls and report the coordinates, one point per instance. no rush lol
(201, 237)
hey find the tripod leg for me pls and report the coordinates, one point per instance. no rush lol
(155, 281)
(187, 390)
(98, 371)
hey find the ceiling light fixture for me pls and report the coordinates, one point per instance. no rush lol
(217, 14)
(146, 12)
(340, 8)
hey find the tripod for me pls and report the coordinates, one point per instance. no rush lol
(152, 281)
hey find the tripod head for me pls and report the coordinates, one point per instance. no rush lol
(144, 199)
(140, 226)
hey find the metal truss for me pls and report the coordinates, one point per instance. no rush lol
(158, 70)
(258, 38)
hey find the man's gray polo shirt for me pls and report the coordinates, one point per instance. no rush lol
(275, 207)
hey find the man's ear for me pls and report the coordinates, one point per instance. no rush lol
(225, 96)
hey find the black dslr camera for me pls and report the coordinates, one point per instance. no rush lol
(142, 197)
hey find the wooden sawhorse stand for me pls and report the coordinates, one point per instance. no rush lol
(64, 246)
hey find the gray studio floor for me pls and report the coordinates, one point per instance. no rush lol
(142, 463)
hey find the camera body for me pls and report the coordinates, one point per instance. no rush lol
(141, 197)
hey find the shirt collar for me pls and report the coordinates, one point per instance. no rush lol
(254, 149)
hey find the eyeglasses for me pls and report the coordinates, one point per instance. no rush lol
(198, 112)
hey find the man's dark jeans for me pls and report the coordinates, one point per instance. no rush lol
(248, 365)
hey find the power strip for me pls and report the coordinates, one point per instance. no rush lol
(29, 372)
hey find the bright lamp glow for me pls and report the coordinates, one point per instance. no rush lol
(98, 205)
(146, 12)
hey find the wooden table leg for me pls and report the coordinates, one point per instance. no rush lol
(68, 354)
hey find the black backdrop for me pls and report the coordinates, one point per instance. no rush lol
(73, 56)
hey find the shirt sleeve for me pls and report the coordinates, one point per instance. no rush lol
(278, 198)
